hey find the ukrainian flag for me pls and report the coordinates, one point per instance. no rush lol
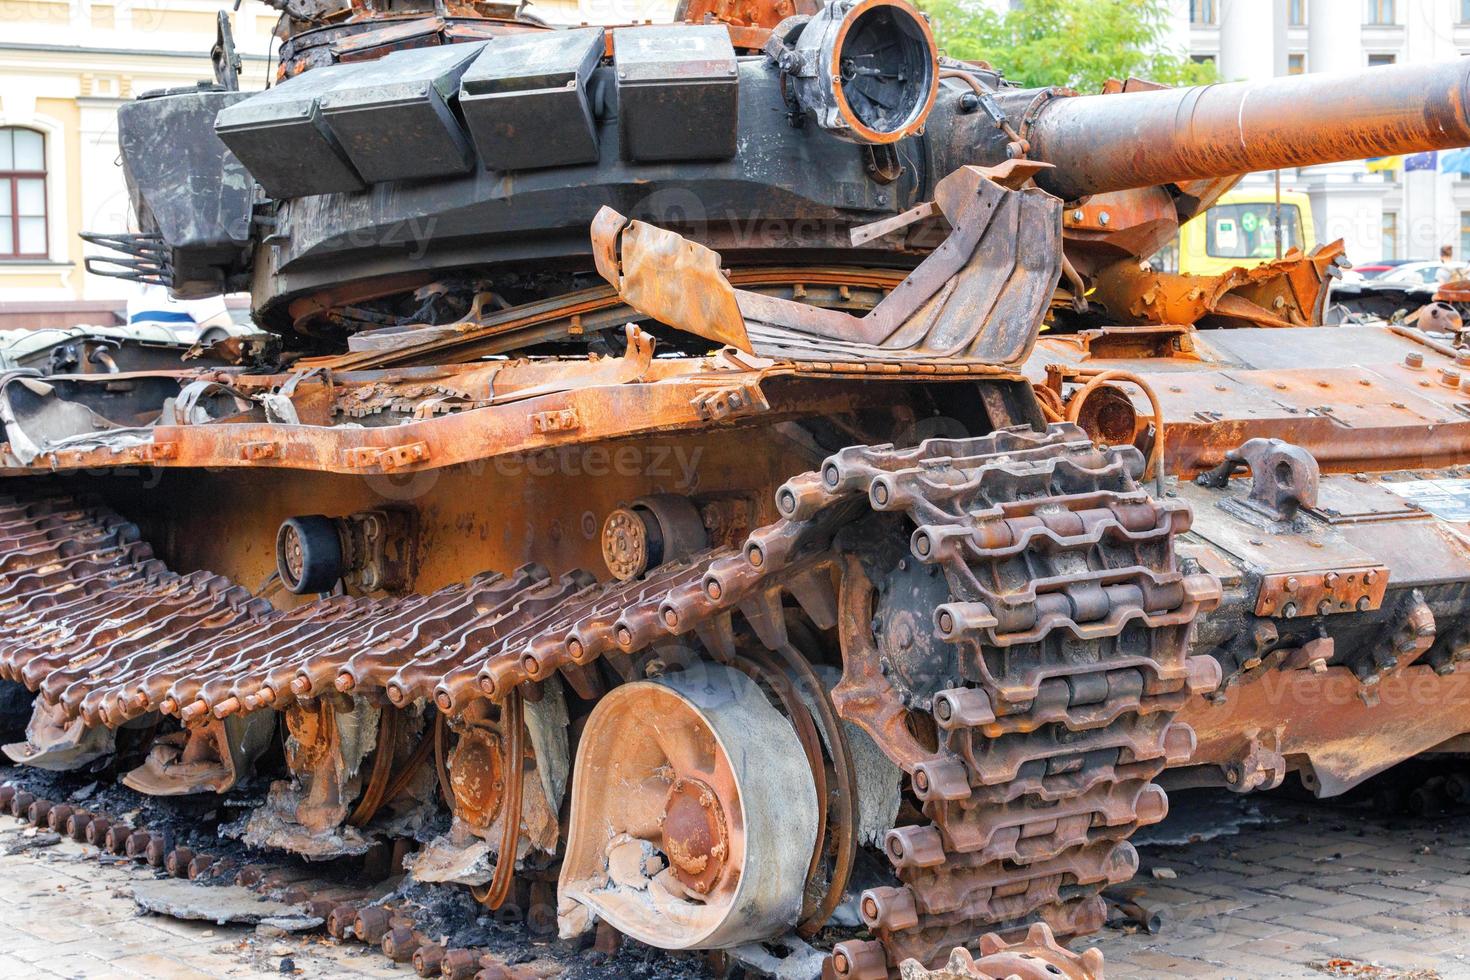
(1380, 164)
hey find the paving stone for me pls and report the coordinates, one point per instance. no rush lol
(1331, 928)
(1399, 896)
(1400, 926)
(1353, 911)
(1312, 895)
(1273, 879)
(89, 929)
(1295, 893)
(1250, 929)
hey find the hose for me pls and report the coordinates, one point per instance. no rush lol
(1052, 408)
(1096, 379)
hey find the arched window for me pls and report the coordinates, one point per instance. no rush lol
(22, 194)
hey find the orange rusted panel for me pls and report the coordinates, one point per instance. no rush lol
(1326, 729)
(1319, 593)
(1289, 292)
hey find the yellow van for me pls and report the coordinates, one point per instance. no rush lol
(1240, 230)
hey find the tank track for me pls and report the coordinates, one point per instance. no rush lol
(1068, 614)
(1072, 620)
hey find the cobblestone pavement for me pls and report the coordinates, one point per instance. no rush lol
(66, 915)
(1302, 884)
(1288, 885)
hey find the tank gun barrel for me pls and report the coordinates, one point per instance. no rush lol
(1101, 143)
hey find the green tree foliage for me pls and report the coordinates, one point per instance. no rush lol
(1076, 43)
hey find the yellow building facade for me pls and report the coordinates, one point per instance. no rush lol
(66, 66)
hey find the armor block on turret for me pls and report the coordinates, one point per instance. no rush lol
(395, 122)
(280, 137)
(678, 92)
(525, 99)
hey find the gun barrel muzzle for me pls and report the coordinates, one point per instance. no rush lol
(1104, 143)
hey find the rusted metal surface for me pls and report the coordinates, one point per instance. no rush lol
(1284, 477)
(1324, 593)
(1290, 292)
(1037, 956)
(1238, 127)
(668, 278)
(1377, 398)
(1326, 732)
(315, 33)
(471, 427)
(958, 304)
(742, 13)
(1138, 222)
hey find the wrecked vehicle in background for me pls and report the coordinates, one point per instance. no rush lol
(702, 453)
(1434, 296)
(132, 347)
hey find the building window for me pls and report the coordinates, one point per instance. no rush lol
(1381, 12)
(1465, 11)
(1390, 242)
(1296, 13)
(1202, 59)
(1296, 64)
(1374, 60)
(1464, 233)
(1202, 12)
(22, 194)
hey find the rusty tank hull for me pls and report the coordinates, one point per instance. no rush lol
(689, 456)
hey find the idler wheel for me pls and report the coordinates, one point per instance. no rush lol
(661, 844)
(309, 554)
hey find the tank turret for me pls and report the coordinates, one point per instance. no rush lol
(768, 139)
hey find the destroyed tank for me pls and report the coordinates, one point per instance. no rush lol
(736, 476)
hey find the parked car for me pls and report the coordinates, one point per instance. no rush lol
(1427, 273)
(1373, 270)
